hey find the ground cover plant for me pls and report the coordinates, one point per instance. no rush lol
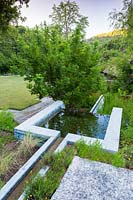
(43, 187)
(14, 94)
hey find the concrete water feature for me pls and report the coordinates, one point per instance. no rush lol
(111, 140)
(109, 143)
(112, 135)
(79, 123)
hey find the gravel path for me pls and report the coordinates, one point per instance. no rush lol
(90, 180)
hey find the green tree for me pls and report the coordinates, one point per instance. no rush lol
(124, 18)
(62, 68)
(10, 11)
(67, 15)
(8, 48)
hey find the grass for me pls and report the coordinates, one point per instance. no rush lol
(96, 153)
(27, 145)
(6, 161)
(14, 94)
(42, 188)
(6, 139)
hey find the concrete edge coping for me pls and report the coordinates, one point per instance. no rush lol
(42, 115)
(72, 138)
(112, 136)
(37, 131)
(98, 104)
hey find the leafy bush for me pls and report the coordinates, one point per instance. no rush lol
(6, 121)
(63, 68)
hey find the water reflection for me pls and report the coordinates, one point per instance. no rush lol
(80, 123)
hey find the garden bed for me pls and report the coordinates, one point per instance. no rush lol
(13, 154)
(44, 187)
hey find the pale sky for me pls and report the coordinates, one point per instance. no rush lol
(96, 10)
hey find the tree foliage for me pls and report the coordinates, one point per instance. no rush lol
(10, 11)
(124, 18)
(62, 68)
(67, 15)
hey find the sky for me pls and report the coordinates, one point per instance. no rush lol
(96, 10)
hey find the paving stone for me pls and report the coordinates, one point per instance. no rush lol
(90, 180)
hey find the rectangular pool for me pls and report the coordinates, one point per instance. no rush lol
(85, 124)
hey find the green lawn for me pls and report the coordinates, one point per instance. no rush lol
(14, 94)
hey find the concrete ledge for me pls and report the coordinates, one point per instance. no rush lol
(98, 105)
(112, 136)
(30, 125)
(72, 138)
(9, 186)
(36, 131)
(43, 115)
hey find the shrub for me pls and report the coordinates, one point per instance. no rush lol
(6, 121)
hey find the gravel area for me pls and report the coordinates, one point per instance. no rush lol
(90, 180)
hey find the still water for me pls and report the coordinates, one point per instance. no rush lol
(80, 123)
